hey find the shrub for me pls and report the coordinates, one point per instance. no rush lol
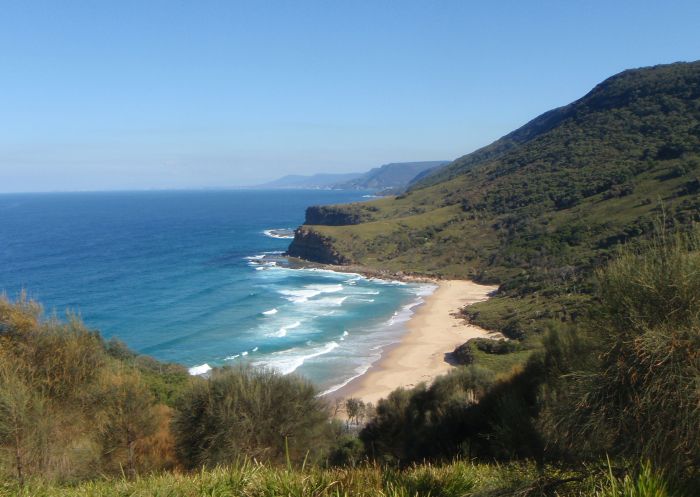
(641, 398)
(253, 413)
(67, 408)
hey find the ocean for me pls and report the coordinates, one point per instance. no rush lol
(197, 278)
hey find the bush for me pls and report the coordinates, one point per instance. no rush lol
(426, 422)
(68, 409)
(250, 413)
(499, 347)
(463, 355)
(641, 398)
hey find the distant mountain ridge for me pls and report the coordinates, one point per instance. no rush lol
(389, 178)
(321, 180)
(396, 175)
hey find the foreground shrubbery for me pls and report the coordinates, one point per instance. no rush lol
(73, 407)
(67, 408)
(251, 413)
(624, 383)
(457, 479)
(641, 398)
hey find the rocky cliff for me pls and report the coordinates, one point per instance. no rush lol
(312, 246)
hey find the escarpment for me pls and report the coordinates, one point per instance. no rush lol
(312, 246)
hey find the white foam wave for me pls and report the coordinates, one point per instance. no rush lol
(244, 353)
(326, 288)
(255, 349)
(388, 282)
(288, 361)
(366, 292)
(425, 290)
(199, 370)
(298, 296)
(232, 357)
(328, 301)
(282, 332)
(281, 233)
(270, 312)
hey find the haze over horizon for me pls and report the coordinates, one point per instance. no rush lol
(216, 94)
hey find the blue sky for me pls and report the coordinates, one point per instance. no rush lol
(128, 95)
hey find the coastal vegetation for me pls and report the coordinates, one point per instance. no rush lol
(538, 210)
(585, 217)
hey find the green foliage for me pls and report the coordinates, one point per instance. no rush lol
(641, 398)
(128, 418)
(646, 483)
(166, 380)
(426, 422)
(21, 421)
(455, 479)
(348, 451)
(67, 408)
(250, 413)
(463, 354)
(251, 479)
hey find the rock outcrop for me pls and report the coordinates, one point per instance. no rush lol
(312, 246)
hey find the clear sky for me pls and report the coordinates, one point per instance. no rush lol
(148, 94)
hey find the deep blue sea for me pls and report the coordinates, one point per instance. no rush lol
(197, 278)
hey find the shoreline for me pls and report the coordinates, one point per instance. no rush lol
(367, 272)
(433, 331)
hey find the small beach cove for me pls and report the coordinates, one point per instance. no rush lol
(434, 330)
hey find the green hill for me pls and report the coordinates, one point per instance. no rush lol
(540, 208)
(397, 175)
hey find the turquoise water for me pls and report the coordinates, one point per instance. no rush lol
(198, 278)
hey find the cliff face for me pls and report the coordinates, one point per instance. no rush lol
(312, 246)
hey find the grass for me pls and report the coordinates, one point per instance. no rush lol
(502, 364)
(250, 479)
(456, 479)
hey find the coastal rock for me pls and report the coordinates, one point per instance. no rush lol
(313, 246)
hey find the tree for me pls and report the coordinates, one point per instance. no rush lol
(354, 409)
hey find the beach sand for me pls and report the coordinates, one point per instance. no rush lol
(432, 332)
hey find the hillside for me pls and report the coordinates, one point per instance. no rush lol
(396, 175)
(309, 181)
(540, 208)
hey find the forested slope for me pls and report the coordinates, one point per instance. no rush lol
(539, 209)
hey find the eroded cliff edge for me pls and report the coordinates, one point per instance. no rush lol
(312, 246)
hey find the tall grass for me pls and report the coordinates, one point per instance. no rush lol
(251, 479)
(646, 483)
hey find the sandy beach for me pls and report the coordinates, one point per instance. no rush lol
(433, 331)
